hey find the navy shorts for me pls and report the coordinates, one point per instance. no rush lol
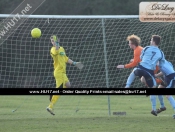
(147, 74)
(170, 80)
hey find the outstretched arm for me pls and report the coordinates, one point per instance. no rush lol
(79, 65)
(70, 61)
(133, 62)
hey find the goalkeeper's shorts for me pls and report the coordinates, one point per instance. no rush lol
(61, 80)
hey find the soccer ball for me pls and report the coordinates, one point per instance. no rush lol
(36, 33)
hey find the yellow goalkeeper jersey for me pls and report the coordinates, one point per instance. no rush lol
(60, 59)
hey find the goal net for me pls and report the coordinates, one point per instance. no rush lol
(97, 41)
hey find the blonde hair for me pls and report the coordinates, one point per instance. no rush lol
(135, 40)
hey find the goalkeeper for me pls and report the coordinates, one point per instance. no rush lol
(60, 59)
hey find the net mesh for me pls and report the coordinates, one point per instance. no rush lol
(26, 62)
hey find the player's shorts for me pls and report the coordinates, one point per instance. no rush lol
(170, 80)
(61, 80)
(147, 74)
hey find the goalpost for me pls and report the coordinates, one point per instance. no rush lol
(97, 41)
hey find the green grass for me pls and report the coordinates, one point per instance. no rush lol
(92, 116)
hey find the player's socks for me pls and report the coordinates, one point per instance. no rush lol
(130, 79)
(161, 101)
(50, 97)
(162, 106)
(174, 116)
(172, 101)
(53, 101)
(153, 102)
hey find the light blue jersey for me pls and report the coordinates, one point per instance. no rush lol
(150, 55)
(166, 68)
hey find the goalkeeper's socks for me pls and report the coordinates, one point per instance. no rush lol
(153, 102)
(161, 101)
(172, 101)
(53, 101)
(51, 105)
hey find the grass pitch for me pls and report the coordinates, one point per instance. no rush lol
(92, 116)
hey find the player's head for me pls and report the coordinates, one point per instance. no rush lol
(54, 40)
(155, 40)
(134, 41)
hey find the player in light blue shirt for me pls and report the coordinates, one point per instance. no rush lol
(150, 55)
(167, 70)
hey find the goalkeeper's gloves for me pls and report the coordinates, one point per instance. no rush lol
(74, 63)
(57, 44)
(79, 65)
